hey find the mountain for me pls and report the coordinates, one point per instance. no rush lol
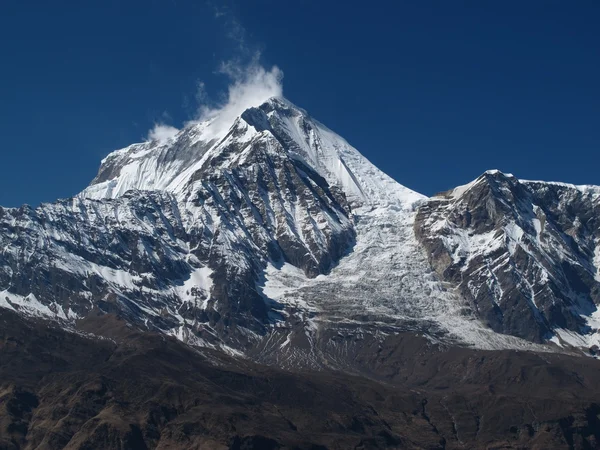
(275, 231)
(525, 254)
(271, 241)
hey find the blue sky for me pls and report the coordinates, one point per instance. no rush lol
(433, 92)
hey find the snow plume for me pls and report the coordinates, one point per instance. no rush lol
(250, 86)
(250, 83)
(162, 133)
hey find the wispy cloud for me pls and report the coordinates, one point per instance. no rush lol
(250, 83)
(234, 29)
(162, 133)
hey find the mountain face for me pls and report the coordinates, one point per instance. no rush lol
(186, 259)
(263, 286)
(277, 240)
(524, 254)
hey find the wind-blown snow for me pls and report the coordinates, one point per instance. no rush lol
(162, 133)
(251, 87)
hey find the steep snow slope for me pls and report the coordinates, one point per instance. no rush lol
(169, 166)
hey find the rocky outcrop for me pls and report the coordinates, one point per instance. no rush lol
(522, 253)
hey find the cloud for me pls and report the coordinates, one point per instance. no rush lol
(234, 30)
(219, 11)
(201, 94)
(249, 86)
(250, 83)
(162, 133)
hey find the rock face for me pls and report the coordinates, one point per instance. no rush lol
(184, 261)
(524, 254)
(277, 240)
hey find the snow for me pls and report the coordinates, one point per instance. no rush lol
(597, 259)
(167, 165)
(282, 284)
(342, 164)
(498, 172)
(586, 189)
(538, 227)
(386, 278)
(563, 337)
(200, 281)
(147, 167)
(514, 234)
(31, 306)
(459, 191)
(196, 286)
(465, 246)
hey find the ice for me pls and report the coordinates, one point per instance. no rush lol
(388, 279)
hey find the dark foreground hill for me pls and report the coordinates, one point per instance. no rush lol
(140, 390)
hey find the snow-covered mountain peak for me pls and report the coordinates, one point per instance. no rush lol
(490, 177)
(524, 252)
(500, 184)
(496, 172)
(169, 165)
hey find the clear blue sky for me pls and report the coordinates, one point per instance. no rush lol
(433, 92)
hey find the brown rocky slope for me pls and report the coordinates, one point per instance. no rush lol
(138, 390)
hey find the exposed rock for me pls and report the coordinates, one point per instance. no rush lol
(522, 253)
